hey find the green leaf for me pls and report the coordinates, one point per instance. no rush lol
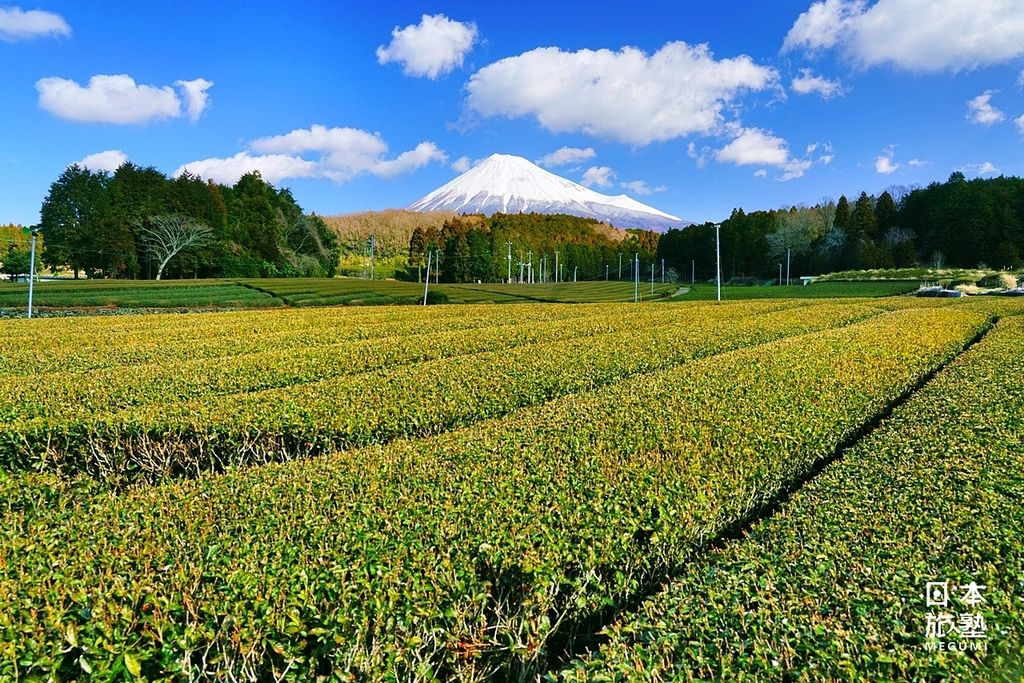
(133, 665)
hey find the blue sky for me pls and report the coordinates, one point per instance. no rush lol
(692, 107)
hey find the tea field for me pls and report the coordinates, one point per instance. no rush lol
(751, 489)
(124, 296)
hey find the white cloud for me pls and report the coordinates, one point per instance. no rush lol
(701, 157)
(914, 35)
(884, 164)
(826, 157)
(602, 176)
(981, 111)
(17, 24)
(794, 168)
(414, 159)
(916, 162)
(754, 146)
(196, 96)
(821, 25)
(273, 167)
(761, 173)
(1020, 123)
(987, 168)
(119, 99)
(628, 96)
(567, 155)
(640, 187)
(348, 151)
(984, 168)
(435, 46)
(462, 164)
(339, 154)
(110, 160)
(807, 83)
(1020, 80)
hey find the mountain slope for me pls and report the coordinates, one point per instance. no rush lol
(510, 184)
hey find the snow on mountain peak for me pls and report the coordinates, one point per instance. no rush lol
(511, 184)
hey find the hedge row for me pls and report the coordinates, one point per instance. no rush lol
(471, 554)
(157, 441)
(832, 588)
(55, 345)
(311, 356)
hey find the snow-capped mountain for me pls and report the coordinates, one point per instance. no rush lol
(510, 184)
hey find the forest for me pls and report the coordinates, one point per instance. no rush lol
(975, 223)
(138, 223)
(555, 247)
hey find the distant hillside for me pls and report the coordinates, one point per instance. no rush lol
(393, 228)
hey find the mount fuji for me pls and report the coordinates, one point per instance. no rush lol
(510, 184)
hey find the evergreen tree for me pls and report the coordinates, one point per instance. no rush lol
(904, 255)
(841, 220)
(254, 220)
(417, 251)
(863, 220)
(456, 258)
(479, 248)
(70, 217)
(885, 214)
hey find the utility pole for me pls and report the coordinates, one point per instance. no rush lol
(636, 278)
(693, 271)
(620, 265)
(662, 271)
(426, 284)
(529, 267)
(718, 261)
(780, 274)
(437, 266)
(606, 272)
(32, 270)
(574, 268)
(652, 278)
(509, 245)
(521, 264)
(787, 268)
(557, 272)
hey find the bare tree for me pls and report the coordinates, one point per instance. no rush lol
(164, 237)
(896, 235)
(827, 209)
(794, 232)
(899, 192)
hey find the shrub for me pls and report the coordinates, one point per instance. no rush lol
(435, 296)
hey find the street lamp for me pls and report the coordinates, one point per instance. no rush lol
(718, 261)
(32, 269)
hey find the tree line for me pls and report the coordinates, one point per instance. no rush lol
(138, 223)
(961, 223)
(475, 247)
